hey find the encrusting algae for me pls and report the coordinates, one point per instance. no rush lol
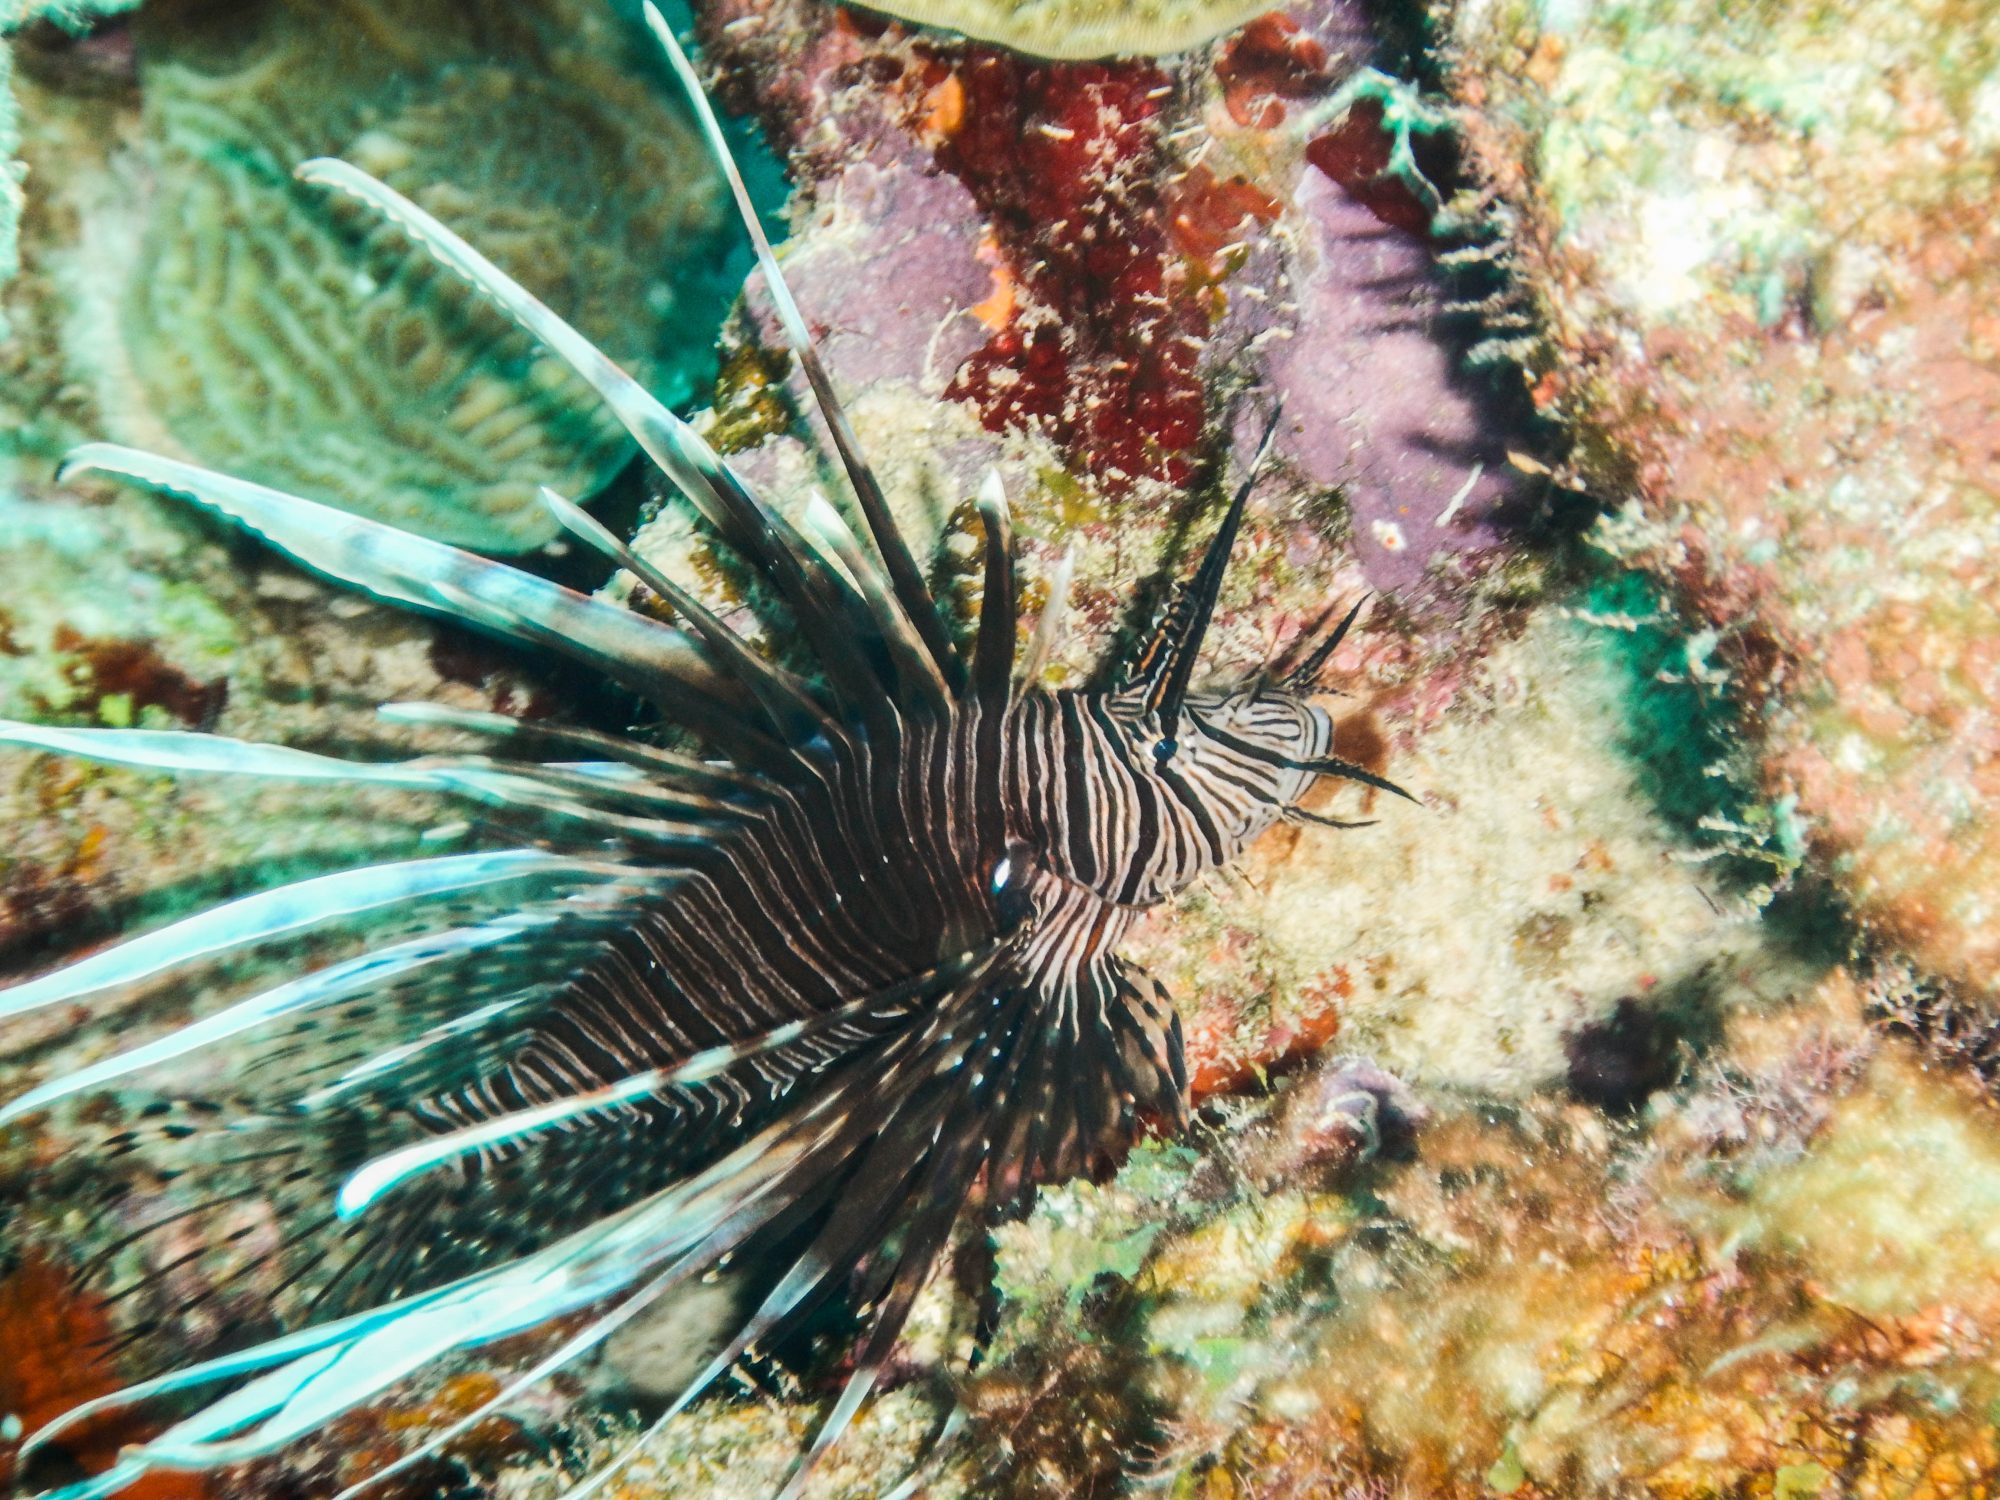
(1763, 242)
(1531, 1301)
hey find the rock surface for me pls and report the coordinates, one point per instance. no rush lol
(1765, 249)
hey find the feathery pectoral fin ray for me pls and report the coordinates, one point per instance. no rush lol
(290, 909)
(428, 575)
(670, 442)
(178, 751)
(764, 537)
(557, 791)
(314, 1375)
(322, 987)
(368, 1183)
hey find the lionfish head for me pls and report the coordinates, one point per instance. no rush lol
(1234, 760)
(1266, 726)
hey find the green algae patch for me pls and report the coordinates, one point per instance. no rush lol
(1506, 1475)
(1799, 1481)
(1084, 1232)
(1683, 730)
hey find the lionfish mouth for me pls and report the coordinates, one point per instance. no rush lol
(792, 990)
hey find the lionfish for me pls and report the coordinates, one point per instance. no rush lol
(802, 992)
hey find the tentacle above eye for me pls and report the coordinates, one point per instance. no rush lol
(1322, 765)
(1304, 677)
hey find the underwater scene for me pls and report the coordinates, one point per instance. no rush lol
(1018, 748)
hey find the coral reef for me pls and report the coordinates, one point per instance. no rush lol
(1537, 894)
(15, 14)
(56, 1339)
(1124, 252)
(1769, 1285)
(1552, 1142)
(1066, 161)
(1762, 243)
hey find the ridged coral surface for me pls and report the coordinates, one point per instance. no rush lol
(1082, 28)
(268, 329)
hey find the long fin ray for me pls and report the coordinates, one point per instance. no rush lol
(178, 751)
(320, 988)
(993, 653)
(805, 1282)
(310, 1377)
(359, 1357)
(904, 577)
(1186, 626)
(415, 571)
(378, 1177)
(783, 696)
(660, 763)
(551, 791)
(272, 1352)
(914, 664)
(948, 1160)
(1048, 625)
(567, 1353)
(746, 522)
(299, 907)
(856, 1220)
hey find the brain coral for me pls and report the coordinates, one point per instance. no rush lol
(1083, 28)
(276, 334)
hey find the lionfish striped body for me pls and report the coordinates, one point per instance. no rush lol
(817, 987)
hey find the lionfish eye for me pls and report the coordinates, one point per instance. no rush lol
(1011, 870)
(1164, 749)
(1008, 883)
